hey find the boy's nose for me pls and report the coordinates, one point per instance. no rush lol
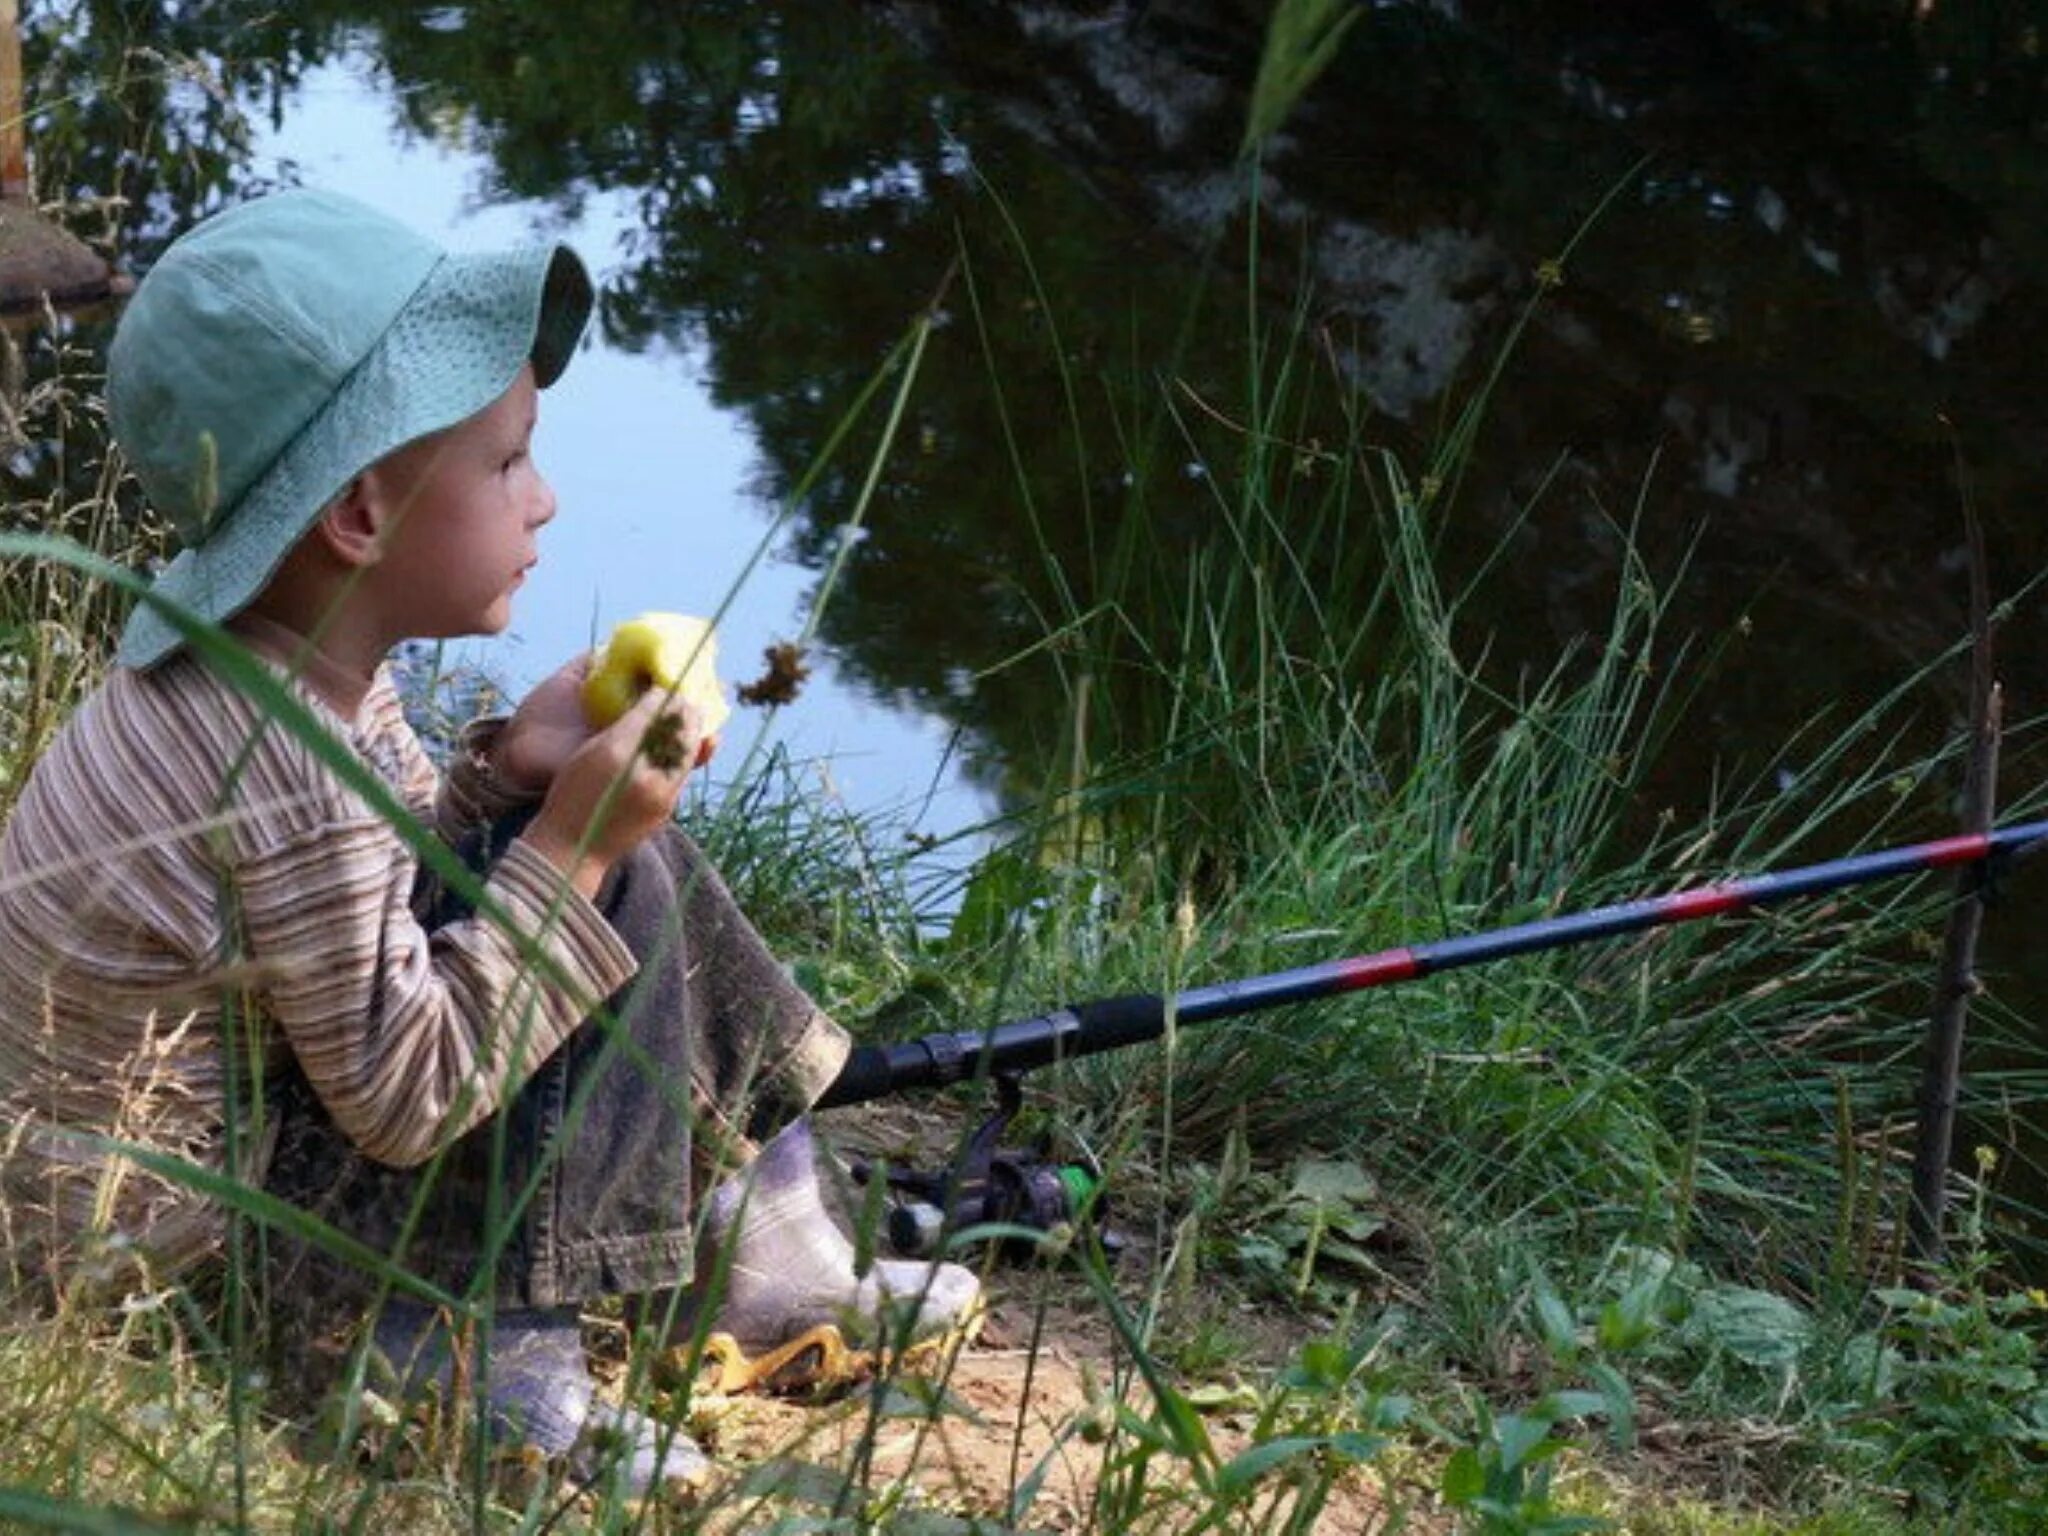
(542, 512)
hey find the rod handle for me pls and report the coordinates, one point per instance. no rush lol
(1018, 1045)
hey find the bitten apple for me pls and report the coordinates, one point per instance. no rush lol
(656, 650)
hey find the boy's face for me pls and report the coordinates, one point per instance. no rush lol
(468, 504)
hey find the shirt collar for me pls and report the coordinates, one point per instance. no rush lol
(339, 687)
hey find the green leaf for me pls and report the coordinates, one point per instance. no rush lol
(1190, 1435)
(1324, 1364)
(932, 1522)
(1247, 1467)
(1332, 1183)
(1631, 1319)
(1560, 1329)
(1524, 1438)
(1222, 1396)
(1573, 1404)
(1621, 1403)
(1257, 1251)
(809, 1525)
(1006, 882)
(1756, 1327)
(1141, 1429)
(1393, 1410)
(1344, 1253)
(1355, 1446)
(1872, 1365)
(1464, 1476)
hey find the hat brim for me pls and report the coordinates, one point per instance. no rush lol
(454, 348)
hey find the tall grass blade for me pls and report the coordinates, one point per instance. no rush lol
(35, 1511)
(1301, 39)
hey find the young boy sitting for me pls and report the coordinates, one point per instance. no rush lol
(213, 944)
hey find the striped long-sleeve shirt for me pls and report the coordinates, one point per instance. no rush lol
(175, 866)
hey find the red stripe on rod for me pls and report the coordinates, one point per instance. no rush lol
(1956, 850)
(1706, 901)
(1389, 965)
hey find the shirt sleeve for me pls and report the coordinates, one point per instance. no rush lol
(410, 1038)
(409, 770)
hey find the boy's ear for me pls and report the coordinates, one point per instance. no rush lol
(351, 527)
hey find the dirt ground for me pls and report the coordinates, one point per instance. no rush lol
(1011, 1411)
(1008, 1412)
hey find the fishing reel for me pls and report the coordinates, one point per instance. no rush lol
(993, 1185)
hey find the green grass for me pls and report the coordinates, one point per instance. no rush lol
(1573, 1173)
(1551, 1120)
(1643, 1188)
(1559, 1237)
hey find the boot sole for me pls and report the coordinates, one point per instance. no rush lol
(817, 1360)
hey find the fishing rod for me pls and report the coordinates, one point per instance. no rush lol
(1020, 1188)
(1111, 1023)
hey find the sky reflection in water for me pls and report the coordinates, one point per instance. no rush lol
(652, 477)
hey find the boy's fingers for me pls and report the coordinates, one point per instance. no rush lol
(669, 731)
(645, 709)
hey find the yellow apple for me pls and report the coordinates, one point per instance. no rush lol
(656, 650)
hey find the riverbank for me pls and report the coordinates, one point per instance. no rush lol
(1583, 1233)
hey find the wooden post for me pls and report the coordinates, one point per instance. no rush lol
(1942, 1066)
(13, 114)
(42, 265)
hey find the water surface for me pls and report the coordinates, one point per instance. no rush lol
(654, 480)
(1802, 334)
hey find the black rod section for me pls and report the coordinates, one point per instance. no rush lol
(1108, 1024)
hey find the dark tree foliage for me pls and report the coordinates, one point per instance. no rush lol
(1819, 284)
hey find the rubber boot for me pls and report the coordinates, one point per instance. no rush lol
(792, 1312)
(540, 1395)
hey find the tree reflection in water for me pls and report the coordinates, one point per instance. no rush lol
(1820, 287)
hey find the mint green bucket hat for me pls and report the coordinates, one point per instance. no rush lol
(281, 348)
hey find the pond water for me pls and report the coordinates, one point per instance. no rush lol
(1804, 330)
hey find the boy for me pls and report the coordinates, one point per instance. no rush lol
(211, 942)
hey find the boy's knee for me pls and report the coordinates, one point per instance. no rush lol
(640, 896)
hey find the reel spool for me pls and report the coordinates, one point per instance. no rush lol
(994, 1185)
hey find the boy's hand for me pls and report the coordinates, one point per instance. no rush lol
(545, 731)
(585, 824)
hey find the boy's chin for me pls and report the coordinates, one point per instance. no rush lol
(494, 621)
